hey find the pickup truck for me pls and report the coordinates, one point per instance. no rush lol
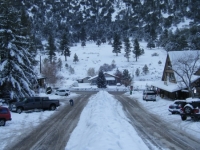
(31, 103)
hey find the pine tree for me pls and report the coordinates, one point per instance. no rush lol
(17, 75)
(71, 70)
(150, 44)
(98, 42)
(101, 80)
(137, 72)
(127, 48)
(137, 50)
(83, 37)
(126, 78)
(51, 48)
(182, 43)
(117, 45)
(75, 58)
(163, 38)
(64, 46)
(145, 69)
(118, 73)
(83, 43)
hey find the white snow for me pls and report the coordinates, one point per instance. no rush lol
(103, 124)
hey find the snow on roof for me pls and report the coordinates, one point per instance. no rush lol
(93, 77)
(111, 75)
(40, 77)
(107, 78)
(170, 87)
(110, 78)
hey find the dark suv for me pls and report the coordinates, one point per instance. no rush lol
(4, 115)
(191, 109)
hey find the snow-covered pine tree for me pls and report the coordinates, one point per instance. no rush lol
(83, 43)
(127, 48)
(64, 46)
(51, 49)
(83, 37)
(17, 75)
(98, 42)
(126, 78)
(75, 58)
(101, 80)
(137, 72)
(150, 44)
(118, 73)
(137, 50)
(145, 69)
(117, 44)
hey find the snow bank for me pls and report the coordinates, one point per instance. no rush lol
(103, 125)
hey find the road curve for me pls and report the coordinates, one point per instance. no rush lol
(53, 133)
(154, 130)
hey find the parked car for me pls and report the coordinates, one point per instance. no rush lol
(31, 103)
(175, 108)
(62, 92)
(149, 95)
(4, 115)
(191, 109)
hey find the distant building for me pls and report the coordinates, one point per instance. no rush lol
(84, 80)
(110, 79)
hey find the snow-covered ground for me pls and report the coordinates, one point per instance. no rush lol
(118, 133)
(93, 56)
(102, 124)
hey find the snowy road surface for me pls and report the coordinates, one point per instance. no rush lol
(156, 131)
(103, 124)
(53, 133)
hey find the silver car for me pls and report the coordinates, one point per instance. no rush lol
(62, 92)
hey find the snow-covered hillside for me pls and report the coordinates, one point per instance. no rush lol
(92, 56)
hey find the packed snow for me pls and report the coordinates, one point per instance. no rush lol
(103, 121)
(103, 125)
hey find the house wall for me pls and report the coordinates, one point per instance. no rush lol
(174, 95)
(85, 80)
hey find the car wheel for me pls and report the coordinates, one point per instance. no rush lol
(66, 94)
(188, 110)
(2, 122)
(183, 117)
(52, 107)
(19, 110)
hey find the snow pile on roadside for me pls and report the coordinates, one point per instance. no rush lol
(103, 125)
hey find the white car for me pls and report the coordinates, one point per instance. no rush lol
(149, 95)
(62, 92)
